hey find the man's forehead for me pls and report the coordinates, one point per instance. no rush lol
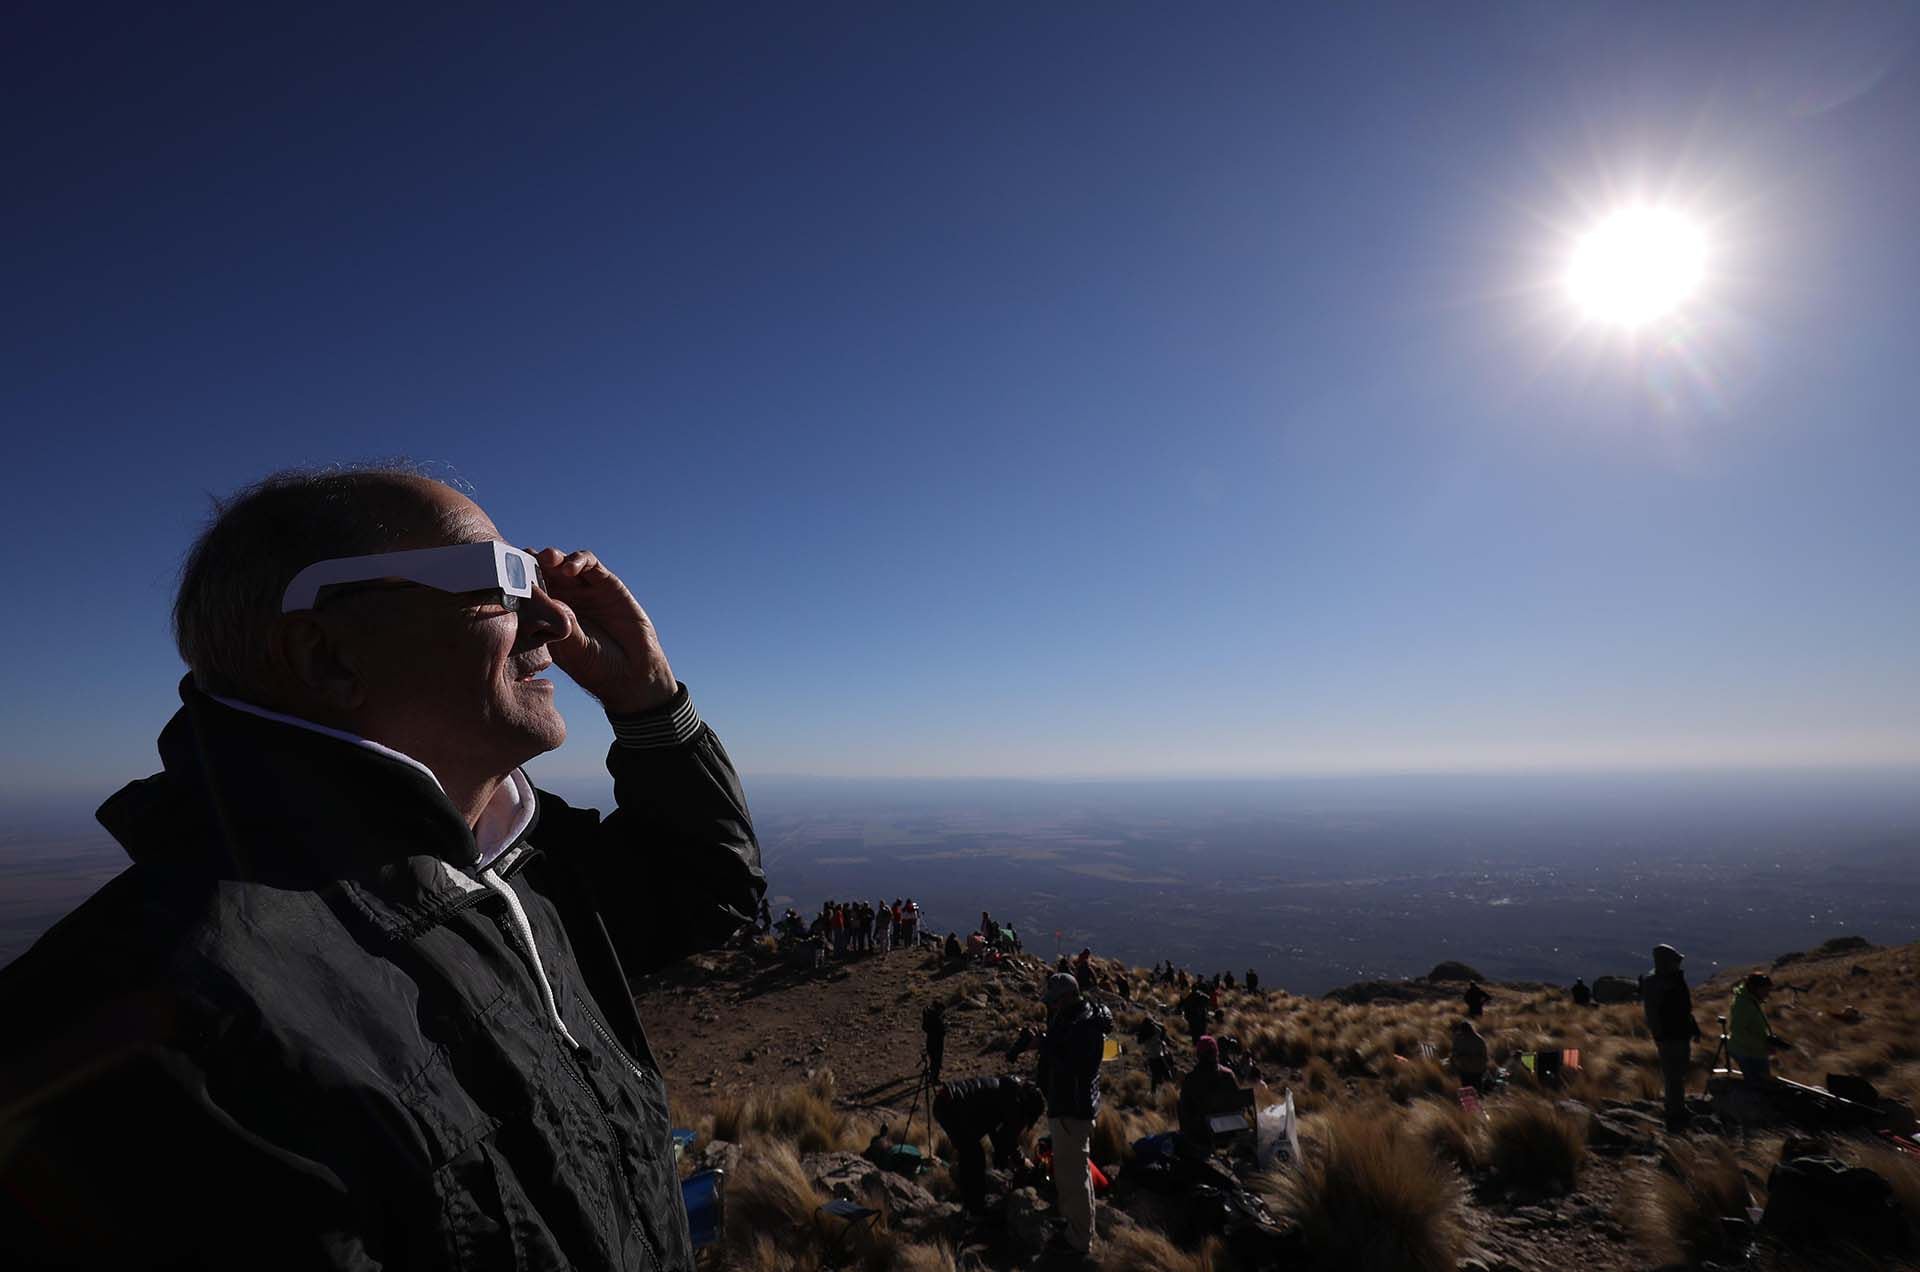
(433, 515)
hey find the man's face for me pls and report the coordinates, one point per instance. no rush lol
(453, 680)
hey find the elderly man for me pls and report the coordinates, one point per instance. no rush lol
(363, 997)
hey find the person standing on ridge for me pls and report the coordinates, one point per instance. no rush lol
(1476, 999)
(1069, 1076)
(1581, 993)
(363, 998)
(933, 1025)
(1749, 1039)
(1195, 1007)
(1668, 1004)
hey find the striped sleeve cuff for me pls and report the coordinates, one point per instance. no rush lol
(671, 725)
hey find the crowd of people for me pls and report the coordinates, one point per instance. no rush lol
(849, 928)
(997, 1110)
(1220, 1074)
(1666, 1002)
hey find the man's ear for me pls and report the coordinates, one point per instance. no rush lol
(317, 664)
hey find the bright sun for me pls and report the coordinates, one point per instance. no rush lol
(1637, 265)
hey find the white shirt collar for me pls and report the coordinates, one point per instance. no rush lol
(505, 818)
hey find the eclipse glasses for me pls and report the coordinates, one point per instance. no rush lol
(460, 567)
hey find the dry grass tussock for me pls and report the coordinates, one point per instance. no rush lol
(1533, 1144)
(1684, 1205)
(1116, 1129)
(773, 1223)
(1374, 1199)
(801, 1115)
(1410, 1078)
(1450, 1133)
(1144, 1250)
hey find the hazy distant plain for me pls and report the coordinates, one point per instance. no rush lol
(1314, 882)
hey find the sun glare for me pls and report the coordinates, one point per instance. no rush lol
(1637, 265)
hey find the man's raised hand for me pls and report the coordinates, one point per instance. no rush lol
(613, 651)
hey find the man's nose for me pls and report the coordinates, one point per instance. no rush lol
(543, 620)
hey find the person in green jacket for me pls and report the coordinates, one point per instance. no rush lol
(1749, 1040)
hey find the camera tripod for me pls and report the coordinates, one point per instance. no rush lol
(1722, 1057)
(922, 1093)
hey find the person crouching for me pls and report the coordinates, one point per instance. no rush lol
(999, 1109)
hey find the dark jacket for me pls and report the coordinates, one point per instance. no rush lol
(1207, 1090)
(997, 1107)
(291, 1036)
(1669, 1006)
(1069, 1067)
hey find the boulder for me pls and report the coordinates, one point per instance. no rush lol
(1814, 1200)
(1026, 1223)
(1616, 989)
(1108, 1220)
(909, 1207)
(721, 1155)
(1452, 970)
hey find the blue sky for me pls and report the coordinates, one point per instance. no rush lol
(1009, 390)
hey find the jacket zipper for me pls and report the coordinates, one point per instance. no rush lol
(613, 1166)
(633, 1066)
(523, 933)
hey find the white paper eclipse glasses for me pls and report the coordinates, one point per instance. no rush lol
(460, 567)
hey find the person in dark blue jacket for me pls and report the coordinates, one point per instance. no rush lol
(363, 998)
(1069, 1076)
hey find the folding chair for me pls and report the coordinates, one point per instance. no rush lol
(854, 1217)
(1470, 1101)
(702, 1194)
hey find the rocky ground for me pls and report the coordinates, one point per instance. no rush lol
(738, 1024)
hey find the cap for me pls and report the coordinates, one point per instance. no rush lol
(1667, 954)
(1060, 987)
(1206, 1047)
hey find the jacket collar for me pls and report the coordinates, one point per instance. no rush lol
(248, 794)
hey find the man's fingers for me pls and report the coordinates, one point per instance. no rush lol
(582, 566)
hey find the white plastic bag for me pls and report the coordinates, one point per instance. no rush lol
(1277, 1134)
